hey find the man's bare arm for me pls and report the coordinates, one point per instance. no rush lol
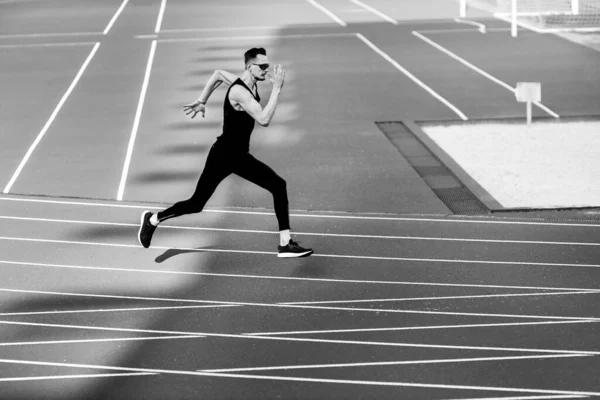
(244, 98)
(226, 77)
(218, 77)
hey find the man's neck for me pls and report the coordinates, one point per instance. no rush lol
(248, 79)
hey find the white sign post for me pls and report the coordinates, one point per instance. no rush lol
(528, 92)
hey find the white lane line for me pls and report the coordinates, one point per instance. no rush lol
(299, 379)
(114, 18)
(479, 296)
(480, 27)
(50, 120)
(411, 76)
(44, 45)
(161, 13)
(326, 11)
(386, 237)
(130, 309)
(479, 70)
(493, 221)
(47, 35)
(305, 340)
(54, 342)
(82, 376)
(375, 11)
(386, 363)
(107, 296)
(226, 29)
(110, 310)
(461, 30)
(110, 329)
(137, 246)
(455, 261)
(136, 122)
(310, 307)
(253, 38)
(549, 397)
(343, 256)
(417, 328)
(289, 278)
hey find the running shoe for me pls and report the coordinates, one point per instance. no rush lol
(146, 230)
(293, 250)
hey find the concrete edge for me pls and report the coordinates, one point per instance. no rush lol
(475, 188)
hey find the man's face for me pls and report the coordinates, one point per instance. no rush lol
(259, 67)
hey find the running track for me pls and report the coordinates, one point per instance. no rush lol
(401, 300)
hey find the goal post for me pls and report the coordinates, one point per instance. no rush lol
(543, 16)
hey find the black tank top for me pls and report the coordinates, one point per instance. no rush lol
(237, 125)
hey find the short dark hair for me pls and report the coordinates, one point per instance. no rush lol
(252, 53)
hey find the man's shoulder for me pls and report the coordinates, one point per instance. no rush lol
(239, 91)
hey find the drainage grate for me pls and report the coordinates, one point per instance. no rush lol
(431, 171)
(439, 178)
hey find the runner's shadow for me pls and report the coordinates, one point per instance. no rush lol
(100, 232)
(165, 176)
(175, 252)
(308, 267)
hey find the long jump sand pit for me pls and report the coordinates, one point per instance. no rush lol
(550, 164)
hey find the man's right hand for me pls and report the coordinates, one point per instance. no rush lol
(194, 108)
(277, 77)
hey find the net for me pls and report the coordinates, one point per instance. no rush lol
(542, 15)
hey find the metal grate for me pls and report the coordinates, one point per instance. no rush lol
(453, 193)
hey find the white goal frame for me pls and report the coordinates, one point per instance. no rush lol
(512, 17)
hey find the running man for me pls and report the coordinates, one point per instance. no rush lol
(230, 153)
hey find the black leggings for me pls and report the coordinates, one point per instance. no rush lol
(220, 163)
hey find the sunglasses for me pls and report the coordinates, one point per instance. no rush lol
(264, 67)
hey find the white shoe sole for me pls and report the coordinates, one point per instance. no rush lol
(295, 255)
(141, 226)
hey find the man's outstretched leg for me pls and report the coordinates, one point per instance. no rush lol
(262, 175)
(216, 169)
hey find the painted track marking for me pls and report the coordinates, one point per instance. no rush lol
(411, 76)
(479, 70)
(331, 215)
(290, 278)
(418, 328)
(375, 11)
(382, 363)
(311, 307)
(344, 235)
(327, 12)
(305, 340)
(82, 376)
(342, 256)
(125, 339)
(300, 379)
(114, 18)
(136, 122)
(50, 120)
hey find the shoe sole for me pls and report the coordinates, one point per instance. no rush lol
(295, 255)
(141, 226)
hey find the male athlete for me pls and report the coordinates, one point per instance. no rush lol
(230, 153)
